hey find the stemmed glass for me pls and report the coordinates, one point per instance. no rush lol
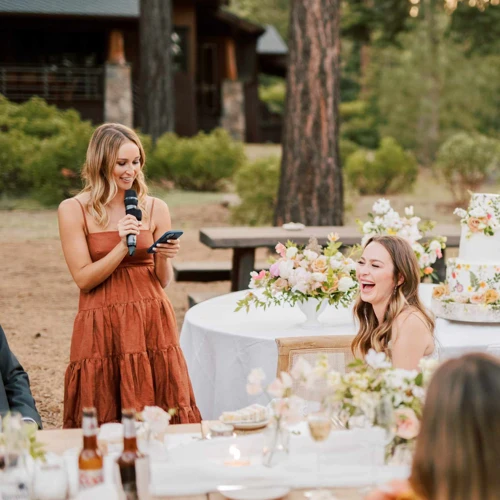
(320, 425)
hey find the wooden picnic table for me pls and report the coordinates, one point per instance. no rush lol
(245, 240)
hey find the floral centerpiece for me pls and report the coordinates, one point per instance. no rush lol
(302, 273)
(385, 220)
(357, 393)
(482, 216)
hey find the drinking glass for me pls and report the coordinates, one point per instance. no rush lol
(50, 481)
(13, 443)
(386, 419)
(320, 425)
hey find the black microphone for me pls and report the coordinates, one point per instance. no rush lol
(131, 202)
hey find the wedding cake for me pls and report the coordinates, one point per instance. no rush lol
(472, 288)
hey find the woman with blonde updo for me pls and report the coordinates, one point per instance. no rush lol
(391, 317)
(125, 350)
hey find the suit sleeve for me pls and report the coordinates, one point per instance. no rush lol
(16, 383)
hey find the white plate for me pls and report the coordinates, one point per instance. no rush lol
(253, 493)
(248, 426)
(293, 226)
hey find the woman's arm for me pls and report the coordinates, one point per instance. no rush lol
(88, 274)
(164, 252)
(411, 338)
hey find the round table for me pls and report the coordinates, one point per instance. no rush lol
(221, 346)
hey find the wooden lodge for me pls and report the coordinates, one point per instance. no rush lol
(65, 51)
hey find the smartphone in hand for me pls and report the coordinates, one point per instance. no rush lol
(169, 235)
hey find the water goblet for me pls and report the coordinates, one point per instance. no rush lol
(320, 425)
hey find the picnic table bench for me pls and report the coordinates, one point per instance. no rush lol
(245, 240)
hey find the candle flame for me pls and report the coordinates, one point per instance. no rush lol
(234, 452)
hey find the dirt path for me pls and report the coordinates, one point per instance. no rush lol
(39, 300)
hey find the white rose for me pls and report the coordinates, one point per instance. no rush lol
(310, 255)
(381, 206)
(478, 212)
(368, 227)
(376, 359)
(291, 252)
(435, 245)
(409, 211)
(460, 212)
(346, 284)
(319, 277)
(335, 264)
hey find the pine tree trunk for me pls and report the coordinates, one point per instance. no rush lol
(311, 188)
(157, 110)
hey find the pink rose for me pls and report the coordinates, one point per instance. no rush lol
(281, 249)
(477, 298)
(275, 269)
(407, 423)
(260, 276)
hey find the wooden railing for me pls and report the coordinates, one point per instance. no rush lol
(52, 83)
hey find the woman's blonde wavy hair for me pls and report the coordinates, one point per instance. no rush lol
(458, 449)
(371, 334)
(97, 172)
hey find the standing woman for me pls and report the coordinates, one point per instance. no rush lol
(391, 317)
(125, 349)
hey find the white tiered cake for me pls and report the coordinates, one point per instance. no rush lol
(472, 288)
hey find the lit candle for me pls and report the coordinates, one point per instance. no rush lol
(236, 461)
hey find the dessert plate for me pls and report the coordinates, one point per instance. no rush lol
(253, 492)
(293, 226)
(248, 426)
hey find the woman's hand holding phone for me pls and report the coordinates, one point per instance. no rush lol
(168, 245)
(169, 249)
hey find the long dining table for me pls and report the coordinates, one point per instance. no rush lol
(60, 440)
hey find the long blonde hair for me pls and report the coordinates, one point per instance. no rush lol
(458, 449)
(102, 155)
(371, 334)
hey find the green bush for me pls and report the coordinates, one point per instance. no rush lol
(273, 95)
(257, 186)
(387, 170)
(358, 124)
(346, 148)
(15, 148)
(465, 162)
(199, 163)
(55, 170)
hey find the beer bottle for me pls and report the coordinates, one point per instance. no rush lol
(90, 463)
(126, 461)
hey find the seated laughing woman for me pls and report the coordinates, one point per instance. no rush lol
(391, 317)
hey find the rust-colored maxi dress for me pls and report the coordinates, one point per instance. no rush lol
(125, 350)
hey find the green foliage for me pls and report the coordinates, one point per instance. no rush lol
(388, 170)
(15, 148)
(358, 124)
(465, 162)
(275, 13)
(199, 163)
(346, 148)
(272, 91)
(55, 170)
(257, 186)
(42, 150)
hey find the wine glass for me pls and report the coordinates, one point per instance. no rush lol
(385, 418)
(320, 425)
(50, 481)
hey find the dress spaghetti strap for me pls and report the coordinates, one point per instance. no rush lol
(151, 215)
(84, 216)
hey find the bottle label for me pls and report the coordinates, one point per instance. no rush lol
(90, 478)
(89, 426)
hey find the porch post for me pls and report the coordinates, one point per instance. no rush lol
(118, 105)
(233, 96)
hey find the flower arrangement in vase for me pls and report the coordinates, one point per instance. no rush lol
(385, 220)
(309, 276)
(358, 393)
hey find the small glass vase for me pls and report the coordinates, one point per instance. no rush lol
(311, 311)
(277, 443)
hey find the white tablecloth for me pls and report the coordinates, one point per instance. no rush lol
(221, 346)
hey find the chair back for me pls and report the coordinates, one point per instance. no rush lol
(337, 349)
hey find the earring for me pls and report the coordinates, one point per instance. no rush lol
(395, 290)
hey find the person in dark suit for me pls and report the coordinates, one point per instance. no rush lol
(15, 392)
